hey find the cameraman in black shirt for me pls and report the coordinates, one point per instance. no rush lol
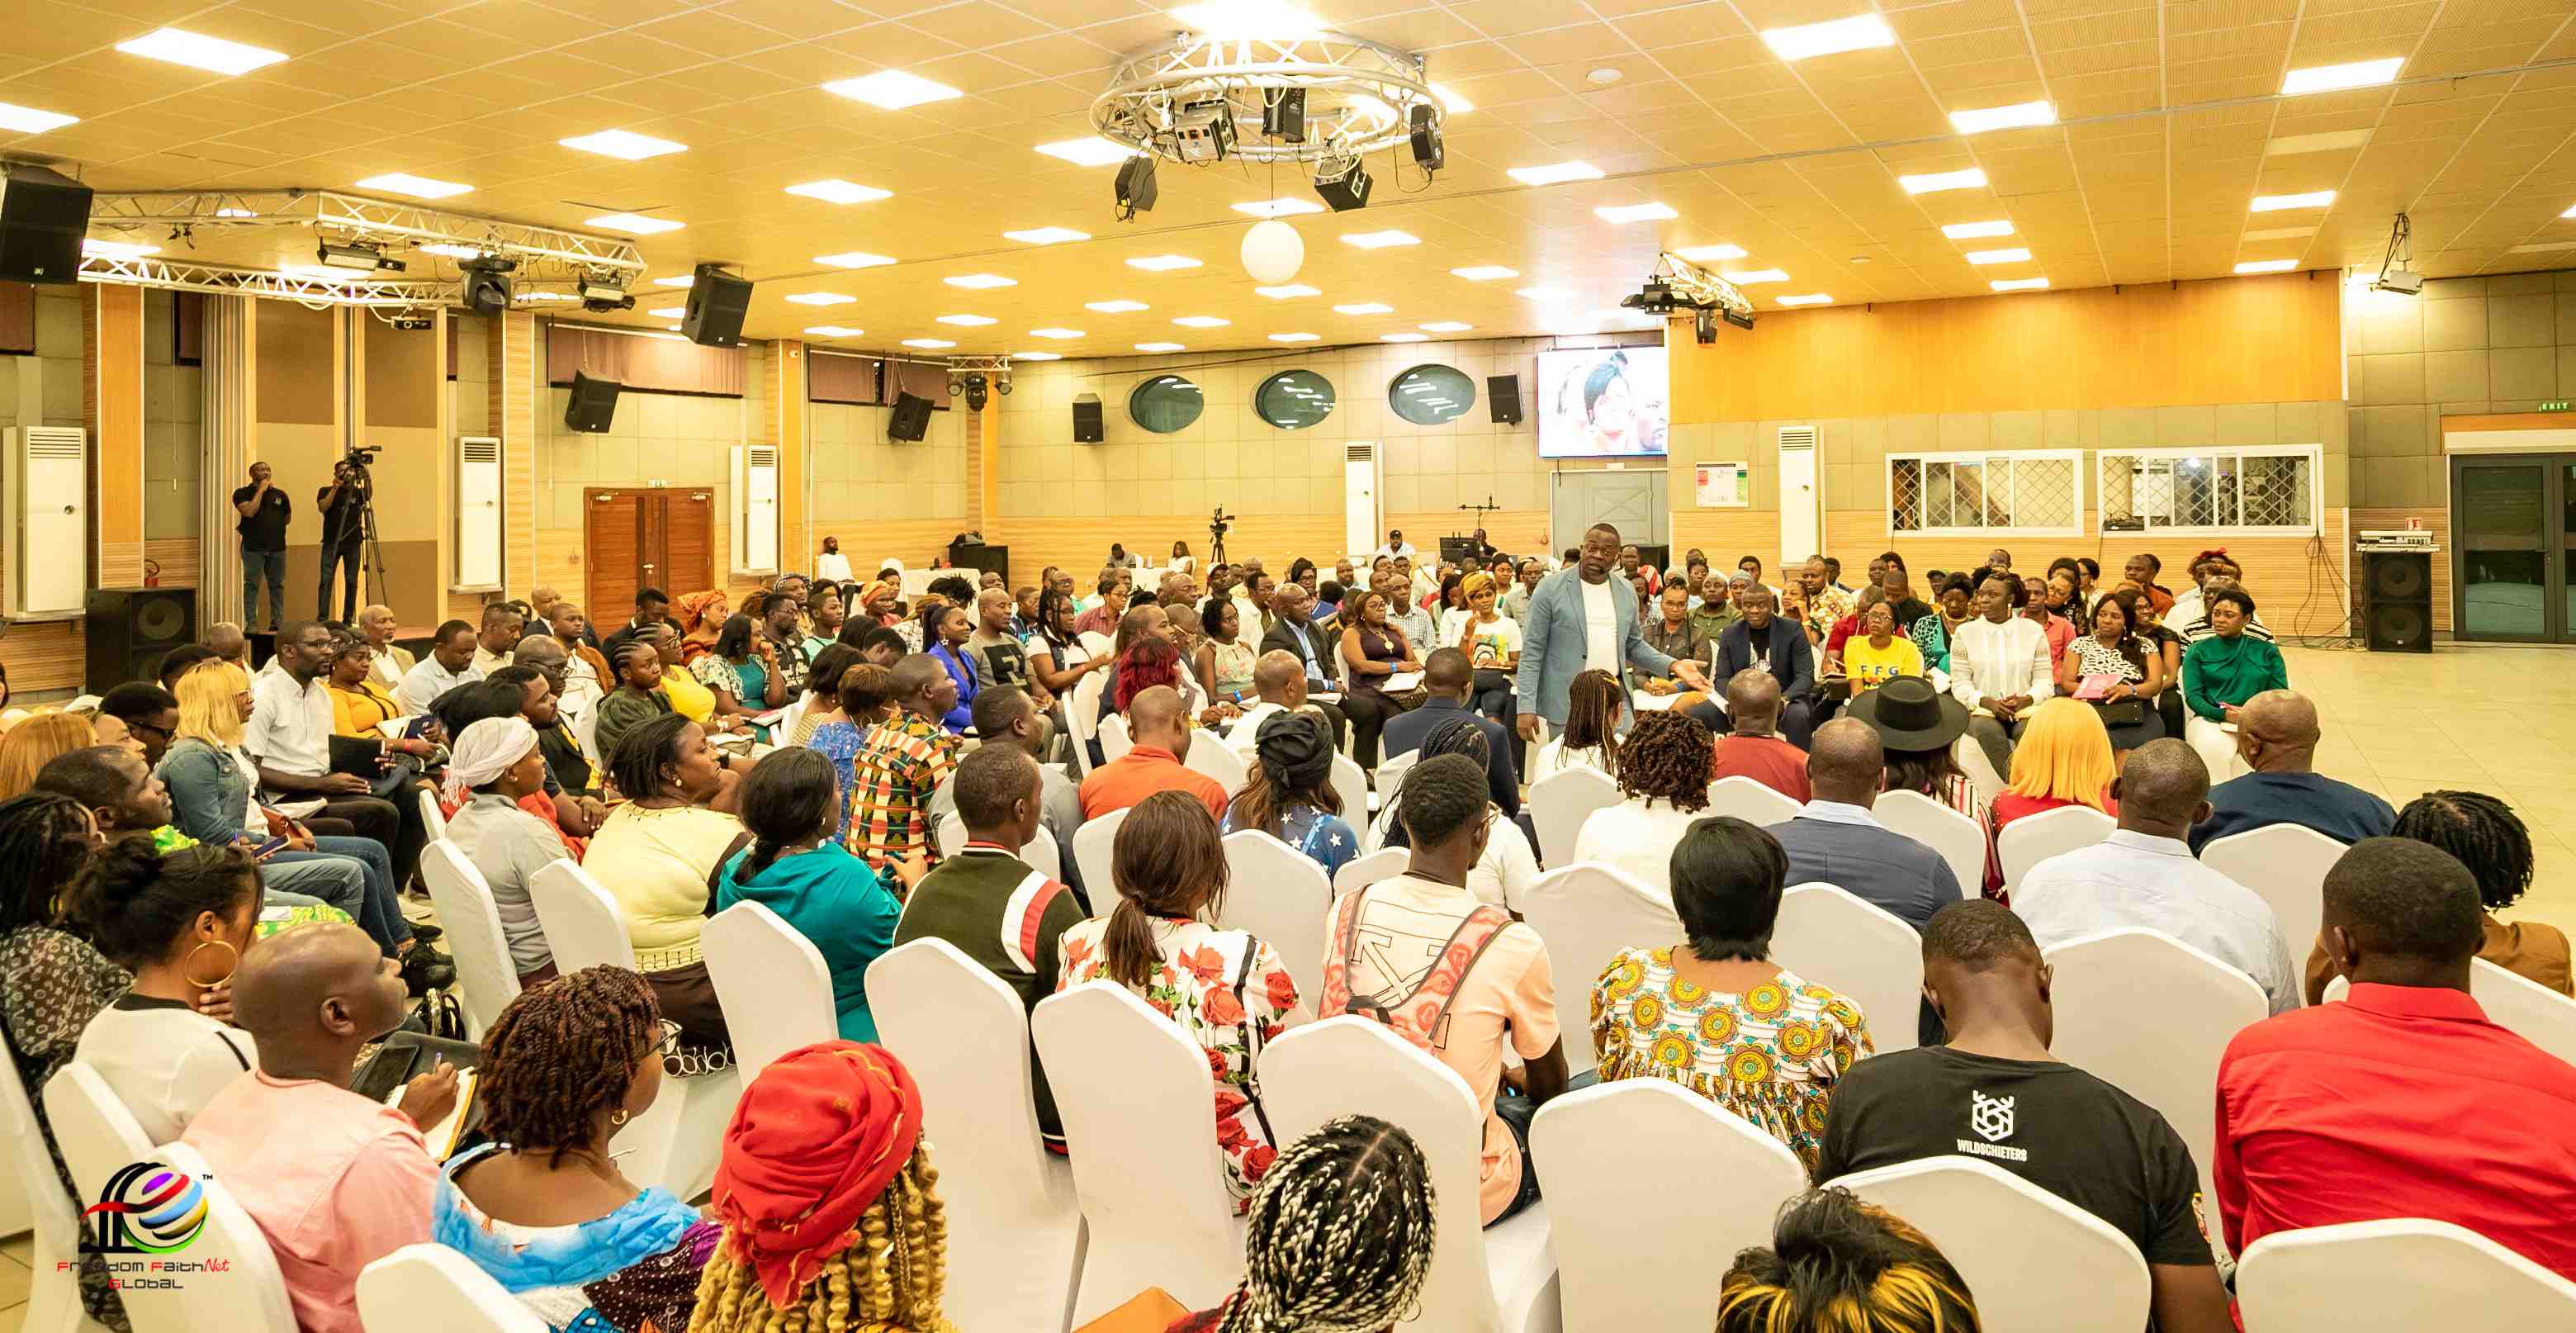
(343, 504)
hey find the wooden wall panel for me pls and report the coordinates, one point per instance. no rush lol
(112, 320)
(2229, 340)
(298, 365)
(47, 655)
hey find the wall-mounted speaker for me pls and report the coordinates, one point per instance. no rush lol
(911, 418)
(717, 302)
(43, 215)
(593, 404)
(1087, 426)
(128, 630)
(1503, 394)
(2397, 601)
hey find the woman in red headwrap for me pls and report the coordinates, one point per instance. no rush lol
(702, 617)
(831, 1224)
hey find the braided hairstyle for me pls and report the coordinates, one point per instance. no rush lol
(892, 1277)
(1338, 1238)
(44, 840)
(1668, 756)
(791, 795)
(1836, 1263)
(2482, 832)
(135, 904)
(1592, 716)
(561, 1053)
(1439, 793)
(625, 653)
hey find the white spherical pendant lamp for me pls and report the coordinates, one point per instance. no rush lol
(1272, 251)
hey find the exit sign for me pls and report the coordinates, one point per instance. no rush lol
(2554, 405)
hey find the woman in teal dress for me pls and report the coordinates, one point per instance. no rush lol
(791, 805)
(2221, 672)
(742, 672)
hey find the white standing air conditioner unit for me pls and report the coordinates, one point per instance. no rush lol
(1802, 509)
(478, 513)
(49, 480)
(1359, 498)
(755, 497)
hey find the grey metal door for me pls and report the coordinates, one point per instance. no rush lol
(1632, 502)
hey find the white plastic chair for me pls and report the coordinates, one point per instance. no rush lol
(2285, 865)
(53, 1300)
(585, 729)
(2030, 840)
(1015, 1235)
(1083, 716)
(1499, 1279)
(1094, 846)
(100, 1138)
(1350, 782)
(1040, 852)
(1210, 754)
(580, 917)
(789, 716)
(1114, 740)
(2065, 1268)
(2397, 1275)
(1390, 774)
(1857, 949)
(1281, 896)
(1560, 802)
(772, 983)
(1361, 871)
(1718, 1182)
(1145, 1162)
(2513, 1002)
(1585, 914)
(2151, 1016)
(431, 817)
(1955, 836)
(486, 980)
(431, 1286)
(1750, 801)
(253, 1297)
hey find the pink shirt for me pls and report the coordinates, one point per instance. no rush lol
(335, 1182)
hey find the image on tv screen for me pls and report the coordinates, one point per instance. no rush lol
(1603, 402)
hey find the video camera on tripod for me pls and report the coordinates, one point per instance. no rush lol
(353, 464)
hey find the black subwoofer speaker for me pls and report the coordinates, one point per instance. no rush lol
(1503, 395)
(129, 629)
(911, 418)
(717, 302)
(593, 404)
(2397, 601)
(43, 215)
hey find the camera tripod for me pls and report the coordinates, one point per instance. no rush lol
(371, 551)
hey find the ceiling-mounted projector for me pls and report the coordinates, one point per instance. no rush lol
(2403, 281)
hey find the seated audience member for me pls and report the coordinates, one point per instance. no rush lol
(1714, 1013)
(1876, 653)
(1775, 643)
(181, 925)
(1375, 647)
(502, 625)
(568, 768)
(542, 1207)
(1163, 738)
(1593, 704)
(2405, 1100)
(1508, 866)
(2482, 833)
(1448, 685)
(2117, 672)
(352, 1182)
(1298, 627)
(1339, 1236)
(740, 668)
(522, 693)
(588, 673)
(1669, 629)
(680, 686)
(1835, 1262)
(498, 763)
(39, 741)
(652, 608)
(288, 734)
(1149, 659)
(1007, 717)
(1999, 666)
(822, 696)
(2076, 1136)
(450, 663)
(149, 713)
(387, 661)
(1752, 747)
(1221, 986)
(1288, 792)
(1492, 642)
(791, 804)
(1107, 605)
(1279, 684)
(2277, 736)
(1953, 601)
(2214, 570)
(944, 634)
(993, 906)
(360, 706)
(866, 695)
(825, 1189)
(658, 853)
(1379, 963)
(2223, 673)
(825, 615)
(899, 761)
(2044, 605)
(1222, 662)
(2064, 759)
(2144, 875)
(1663, 782)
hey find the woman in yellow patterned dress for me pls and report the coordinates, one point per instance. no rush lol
(1713, 1013)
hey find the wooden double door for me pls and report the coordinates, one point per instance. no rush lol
(647, 537)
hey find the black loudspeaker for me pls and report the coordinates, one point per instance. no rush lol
(717, 302)
(1136, 188)
(1346, 191)
(1428, 153)
(911, 418)
(1284, 116)
(129, 629)
(43, 215)
(2397, 601)
(1503, 394)
(593, 404)
(1087, 428)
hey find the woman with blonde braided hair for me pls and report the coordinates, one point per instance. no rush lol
(1338, 1239)
(831, 1223)
(1838, 1265)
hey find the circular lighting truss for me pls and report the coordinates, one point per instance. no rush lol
(1359, 97)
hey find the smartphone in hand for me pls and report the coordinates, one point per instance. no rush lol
(268, 849)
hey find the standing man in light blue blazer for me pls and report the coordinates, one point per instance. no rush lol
(1581, 619)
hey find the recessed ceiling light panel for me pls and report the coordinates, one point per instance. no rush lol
(966, 321)
(1484, 273)
(1162, 263)
(2013, 256)
(980, 281)
(1963, 231)
(2328, 78)
(1293, 337)
(2273, 203)
(1970, 179)
(1202, 322)
(846, 259)
(1287, 291)
(1364, 308)
(1379, 240)
(1556, 174)
(838, 191)
(418, 187)
(1115, 307)
(1058, 334)
(1092, 152)
(2019, 284)
(633, 224)
(892, 90)
(623, 144)
(1860, 32)
(1046, 235)
(2003, 117)
(2267, 266)
(29, 120)
(929, 344)
(198, 51)
(1624, 213)
(1160, 347)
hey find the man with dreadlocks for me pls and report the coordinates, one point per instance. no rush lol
(1508, 867)
(1339, 1236)
(1464, 1017)
(2484, 834)
(543, 1207)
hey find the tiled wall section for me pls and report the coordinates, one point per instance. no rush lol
(173, 441)
(666, 438)
(2496, 344)
(860, 476)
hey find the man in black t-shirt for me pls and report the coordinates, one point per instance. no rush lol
(1996, 1094)
(343, 536)
(264, 511)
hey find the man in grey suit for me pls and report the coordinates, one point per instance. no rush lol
(1580, 620)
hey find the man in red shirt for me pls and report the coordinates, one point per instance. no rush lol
(1162, 730)
(1752, 747)
(2404, 1101)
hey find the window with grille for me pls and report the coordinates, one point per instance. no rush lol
(2031, 493)
(2271, 491)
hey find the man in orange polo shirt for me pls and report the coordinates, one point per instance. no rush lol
(1162, 731)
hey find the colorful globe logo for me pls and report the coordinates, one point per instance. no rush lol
(149, 1208)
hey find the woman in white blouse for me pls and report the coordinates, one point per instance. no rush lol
(180, 924)
(1663, 778)
(1508, 868)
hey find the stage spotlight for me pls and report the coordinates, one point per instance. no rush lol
(603, 294)
(362, 258)
(1742, 319)
(1428, 152)
(1343, 184)
(1283, 115)
(1136, 189)
(412, 321)
(487, 285)
(973, 388)
(1704, 327)
(1204, 131)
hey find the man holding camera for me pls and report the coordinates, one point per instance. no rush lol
(344, 531)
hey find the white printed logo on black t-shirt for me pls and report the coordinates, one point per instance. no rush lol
(1992, 1119)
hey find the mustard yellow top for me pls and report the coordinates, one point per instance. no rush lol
(688, 698)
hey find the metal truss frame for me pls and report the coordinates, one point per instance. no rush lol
(356, 217)
(227, 280)
(1360, 93)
